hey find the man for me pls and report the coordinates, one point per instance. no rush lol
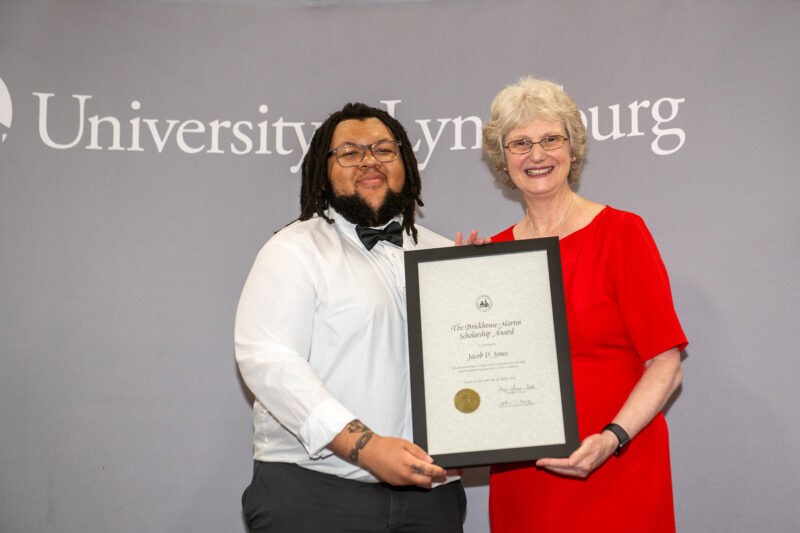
(321, 342)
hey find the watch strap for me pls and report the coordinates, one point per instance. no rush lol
(622, 436)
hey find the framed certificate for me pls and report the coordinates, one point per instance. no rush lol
(491, 378)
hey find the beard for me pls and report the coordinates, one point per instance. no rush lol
(357, 211)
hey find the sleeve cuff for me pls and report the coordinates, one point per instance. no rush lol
(326, 421)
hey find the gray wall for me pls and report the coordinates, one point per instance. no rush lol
(121, 261)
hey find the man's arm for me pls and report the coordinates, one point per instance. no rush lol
(272, 334)
(272, 339)
(395, 461)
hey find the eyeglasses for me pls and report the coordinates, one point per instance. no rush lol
(523, 146)
(351, 155)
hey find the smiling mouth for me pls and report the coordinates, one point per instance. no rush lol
(537, 171)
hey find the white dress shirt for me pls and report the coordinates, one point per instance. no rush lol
(321, 339)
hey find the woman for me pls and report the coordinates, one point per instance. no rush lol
(625, 339)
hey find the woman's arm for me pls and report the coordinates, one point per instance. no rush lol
(661, 377)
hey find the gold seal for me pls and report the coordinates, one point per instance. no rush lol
(467, 400)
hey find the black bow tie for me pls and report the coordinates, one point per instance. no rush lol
(370, 236)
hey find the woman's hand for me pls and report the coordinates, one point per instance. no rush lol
(472, 239)
(592, 453)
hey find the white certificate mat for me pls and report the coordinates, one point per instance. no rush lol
(489, 353)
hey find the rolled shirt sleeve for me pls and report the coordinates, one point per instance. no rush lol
(273, 332)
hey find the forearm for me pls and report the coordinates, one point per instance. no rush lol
(395, 461)
(661, 377)
(349, 443)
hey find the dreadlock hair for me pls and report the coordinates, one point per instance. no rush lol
(316, 190)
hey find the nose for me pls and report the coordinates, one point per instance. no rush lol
(537, 152)
(369, 159)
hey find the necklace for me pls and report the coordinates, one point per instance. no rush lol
(557, 224)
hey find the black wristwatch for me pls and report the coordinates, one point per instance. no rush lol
(622, 437)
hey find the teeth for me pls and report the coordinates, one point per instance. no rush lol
(535, 171)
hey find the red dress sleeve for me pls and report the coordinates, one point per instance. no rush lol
(643, 291)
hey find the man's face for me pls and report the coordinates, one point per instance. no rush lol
(370, 180)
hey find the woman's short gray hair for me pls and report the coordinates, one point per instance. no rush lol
(520, 104)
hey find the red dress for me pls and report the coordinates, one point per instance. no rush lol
(620, 314)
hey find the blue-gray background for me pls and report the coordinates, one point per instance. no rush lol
(120, 404)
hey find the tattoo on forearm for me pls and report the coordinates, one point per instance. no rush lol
(357, 426)
(360, 443)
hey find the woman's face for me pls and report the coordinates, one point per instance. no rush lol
(539, 172)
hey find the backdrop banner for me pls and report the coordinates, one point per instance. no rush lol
(148, 149)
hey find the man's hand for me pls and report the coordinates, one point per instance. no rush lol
(399, 462)
(392, 460)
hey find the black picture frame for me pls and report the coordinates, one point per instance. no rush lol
(517, 453)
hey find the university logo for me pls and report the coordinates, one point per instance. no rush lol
(5, 111)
